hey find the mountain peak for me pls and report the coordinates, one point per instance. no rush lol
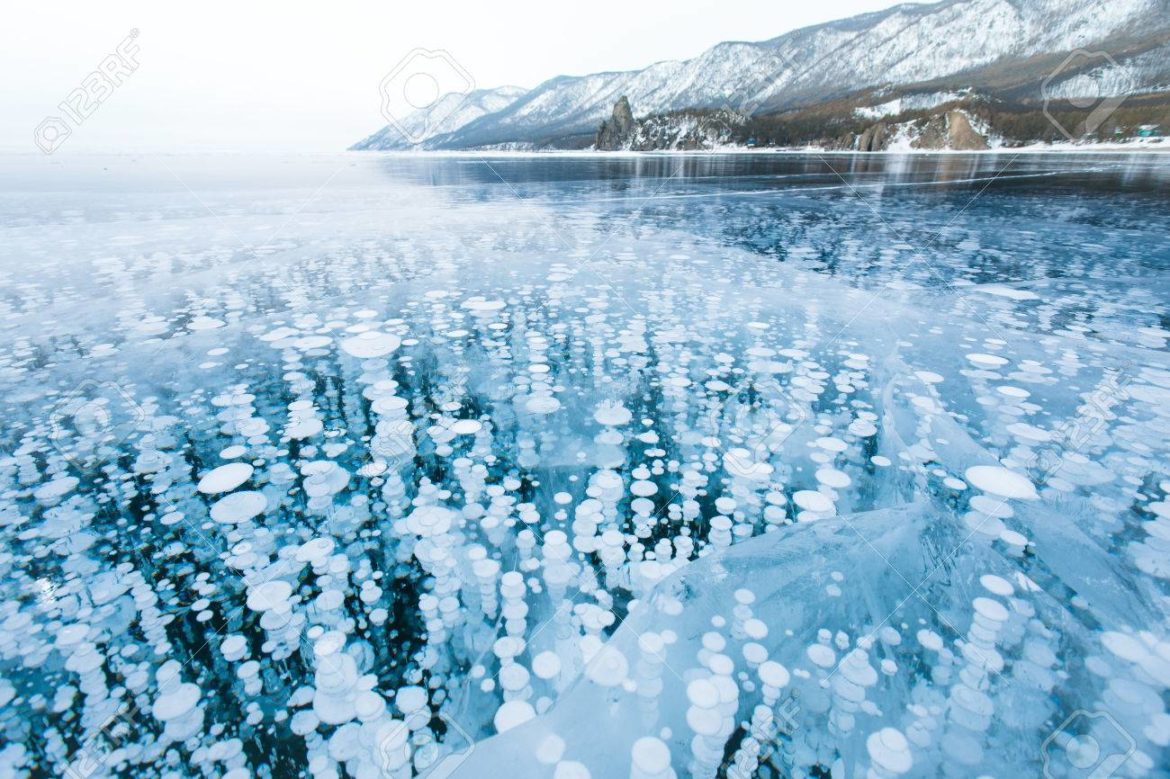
(986, 44)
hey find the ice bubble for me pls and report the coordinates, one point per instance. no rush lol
(889, 750)
(862, 428)
(542, 404)
(546, 665)
(513, 714)
(270, 595)
(608, 667)
(550, 750)
(997, 585)
(987, 360)
(571, 769)
(315, 551)
(410, 699)
(481, 305)
(233, 647)
(52, 490)
(178, 701)
(225, 478)
(612, 414)
(238, 507)
(774, 674)
(990, 609)
(1124, 646)
(371, 344)
(466, 426)
(998, 480)
(833, 478)
(429, 521)
(831, 444)
(821, 655)
(651, 756)
(1029, 433)
(811, 500)
(204, 323)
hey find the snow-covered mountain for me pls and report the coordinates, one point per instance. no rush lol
(448, 114)
(903, 45)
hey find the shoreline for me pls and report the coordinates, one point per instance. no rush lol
(1150, 149)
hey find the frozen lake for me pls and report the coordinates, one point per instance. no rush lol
(585, 466)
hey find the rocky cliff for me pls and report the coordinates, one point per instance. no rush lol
(617, 132)
(952, 130)
(688, 130)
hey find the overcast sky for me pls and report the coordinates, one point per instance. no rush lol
(253, 74)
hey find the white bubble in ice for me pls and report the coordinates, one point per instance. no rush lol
(833, 478)
(512, 714)
(821, 655)
(225, 478)
(542, 404)
(650, 755)
(52, 490)
(702, 693)
(430, 521)
(546, 665)
(998, 480)
(371, 344)
(811, 500)
(466, 426)
(612, 414)
(889, 749)
(608, 667)
(987, 360)
(571, 769)
(773, 674)
(239, 507)
(271, 595)
(550, 750)
(179, 700)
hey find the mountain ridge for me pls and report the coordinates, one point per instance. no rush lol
(952, 41)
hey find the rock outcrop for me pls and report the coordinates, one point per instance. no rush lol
(961, 135)
(875, 138)
(618, 131)
(689, 130)
(952, 131)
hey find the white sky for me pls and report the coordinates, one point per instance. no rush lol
(258, 74)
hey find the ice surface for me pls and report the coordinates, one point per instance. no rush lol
(717, 471)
